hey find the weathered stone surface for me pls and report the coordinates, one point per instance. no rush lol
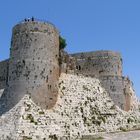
(4, 73)
(107, 66)
(1, 92)
(99, 63)
(83, 108)
(33, 65)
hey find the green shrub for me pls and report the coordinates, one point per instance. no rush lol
(31, 118)
(53, 137)
(130, 120)
(41, 112)
(27, 138)
(86, 88)
(113, 107)
(102, 118)
(62, 43)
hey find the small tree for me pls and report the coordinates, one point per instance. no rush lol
(62, 43)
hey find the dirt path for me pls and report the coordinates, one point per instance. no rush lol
(132, 135)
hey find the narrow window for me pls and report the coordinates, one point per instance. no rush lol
(79, 67)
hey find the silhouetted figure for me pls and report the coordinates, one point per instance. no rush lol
(25, 19)
(28, 19)
(33, 19)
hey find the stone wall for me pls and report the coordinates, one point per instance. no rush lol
(114, 86)
(131, 100)
(3, 73)
(33, 64)
(107, 66)
(98, 63)
(67, 63)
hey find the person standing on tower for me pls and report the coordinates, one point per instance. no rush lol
(33, 19)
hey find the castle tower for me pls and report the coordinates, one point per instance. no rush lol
(107, 67)
(98, 63)
(33, 64)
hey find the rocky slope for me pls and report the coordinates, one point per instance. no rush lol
(83, 108)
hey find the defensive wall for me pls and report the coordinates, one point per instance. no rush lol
(120, 89)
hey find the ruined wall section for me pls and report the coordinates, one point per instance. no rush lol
(131, 100)
(121, 90)
(34, 67)
(98, 63)
(4, 73)
(67, 63)
(114, 86)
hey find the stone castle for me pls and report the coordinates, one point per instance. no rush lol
(46, 93)
(34, 68)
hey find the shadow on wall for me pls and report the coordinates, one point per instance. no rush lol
(43, 97)
(6, 102)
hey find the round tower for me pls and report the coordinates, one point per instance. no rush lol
(99, 63)
(107, 67)
(34, 67)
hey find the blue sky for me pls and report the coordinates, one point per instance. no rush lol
(87, 25)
